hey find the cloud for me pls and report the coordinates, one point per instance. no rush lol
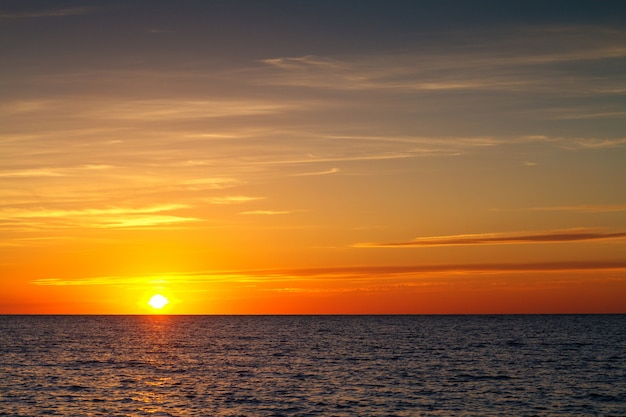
(70, 11)
(51, 172)
(112, 217)
(48, 213)
(211, 183)
(576, 235)
(160, 110)
(575, 143)
(326, 172)
(148, 110)
(231, 199)
(89, 281)
(324, 148)
(33, 172)
(584, 208)
(355, 274)
(595, 143)
(573, 114)
(347, 157)
(265, 212)
(363, 73)
(516, 60)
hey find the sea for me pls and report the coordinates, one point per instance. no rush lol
(408, 365)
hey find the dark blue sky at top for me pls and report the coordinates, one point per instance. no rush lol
(249, 30)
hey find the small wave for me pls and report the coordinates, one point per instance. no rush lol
(606, 398)
(76, 388)
(470, 377)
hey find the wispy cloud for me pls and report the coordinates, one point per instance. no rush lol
(563, 236)
(231, 199)
(50, 172)
(326, 172)
(583, 208)
(398, 73)
(598, 143)
(91, 212)
(159, 110)
(573, 114)
(264, 212)
(331, 274)
(492, 62)
(70, 11)
(576, 142)
(111, 217)
(154, 110)
(210, 183)
(33, 172)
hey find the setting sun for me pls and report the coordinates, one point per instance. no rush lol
(158, 301)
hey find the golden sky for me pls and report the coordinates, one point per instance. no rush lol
(324, 157)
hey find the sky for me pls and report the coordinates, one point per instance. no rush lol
(312, 157)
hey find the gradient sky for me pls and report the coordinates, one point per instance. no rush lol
(261, 157)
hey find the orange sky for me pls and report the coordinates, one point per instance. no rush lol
(362, 157)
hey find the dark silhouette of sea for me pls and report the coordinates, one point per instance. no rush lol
(527, 365)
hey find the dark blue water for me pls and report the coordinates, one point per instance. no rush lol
(313, 365)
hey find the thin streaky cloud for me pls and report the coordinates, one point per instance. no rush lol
(17, 107)
(99, 222)
(113, 217)
(592, 143)
(265, 212)
(70, 11)
(48, 213)
(577, 143)
(485, 267)
(140, 222)
(58, 172)
(152, 110)
(35, 172)
(463, 141)
(213, 183)
(346, 273)
(564, 236)
(41, 241)
(602, 115)
(584, 208)
(176, 109)
(489, 66)
(231, 199)
(414, 153)
(326, 172)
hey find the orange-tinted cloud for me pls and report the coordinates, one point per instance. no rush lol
(358, 273)
(110, 217)
(265, 212)
(503, 238)
(584, 208)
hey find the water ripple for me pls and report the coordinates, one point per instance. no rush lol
(313, 366)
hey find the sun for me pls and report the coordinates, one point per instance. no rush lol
(158, 301)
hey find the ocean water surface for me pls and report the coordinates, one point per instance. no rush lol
(544, 365)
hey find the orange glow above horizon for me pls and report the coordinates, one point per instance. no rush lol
(389, 168)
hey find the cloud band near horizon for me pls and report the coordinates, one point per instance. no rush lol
(359, 273)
